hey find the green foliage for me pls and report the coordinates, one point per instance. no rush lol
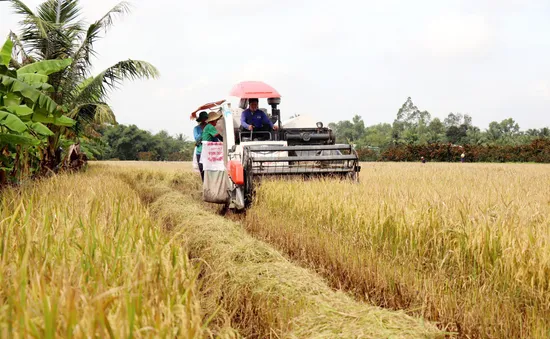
(349, 131)
(411, 124)
(131, 143)
(436, 131)
(414, 127)
(538, 150)
(54, 52)
(45, 67)
(377, 136)
(23, 108)
(5, 53)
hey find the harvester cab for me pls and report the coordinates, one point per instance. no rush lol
(299, 147)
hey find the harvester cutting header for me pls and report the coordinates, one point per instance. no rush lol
(259, 144)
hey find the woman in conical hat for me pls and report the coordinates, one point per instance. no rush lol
(210, 133)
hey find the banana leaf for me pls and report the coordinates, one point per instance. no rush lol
(39, 128)
(12, 122)
(20, 110)
(57, 121)
(11, 99)
(31, 78)
(43, 87)
(16, 139)
(5, 53)
(9, 84)
(45, 67)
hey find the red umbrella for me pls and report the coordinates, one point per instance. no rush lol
(206, 106)
(254, 89)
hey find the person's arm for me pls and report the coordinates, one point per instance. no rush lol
(217, 137)
(243, 119)
(197, 132)
(217, 134)
(266, 120)
(212, 133)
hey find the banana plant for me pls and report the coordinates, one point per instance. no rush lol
(25, 108)
(57, 31)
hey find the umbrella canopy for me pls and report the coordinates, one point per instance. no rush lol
(206, 106)
(254, 89)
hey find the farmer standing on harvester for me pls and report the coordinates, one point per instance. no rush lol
(197, 133)
(210, 133)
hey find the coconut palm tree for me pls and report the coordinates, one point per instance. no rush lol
(55, 31)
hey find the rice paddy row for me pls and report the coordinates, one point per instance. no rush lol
(125, 252)
(260, 291)
(81, 257)
(465, 246)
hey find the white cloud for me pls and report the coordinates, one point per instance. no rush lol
(263, 70)
(334, 58)
(249, 8)
(456, 35)
(541, 89)
(171, 92)
(508, 6)
(322, 31)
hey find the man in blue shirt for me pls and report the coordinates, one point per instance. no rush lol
(255, 119)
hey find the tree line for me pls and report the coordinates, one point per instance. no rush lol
(413, 128)
(128, 142)
(413, 134)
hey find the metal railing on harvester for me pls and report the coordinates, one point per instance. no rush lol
(304, 160)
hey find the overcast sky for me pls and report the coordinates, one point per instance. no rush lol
(331, 59)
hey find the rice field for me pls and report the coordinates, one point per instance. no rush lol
(252, 286)
(82, 257)
(128, 249)
(464, 245)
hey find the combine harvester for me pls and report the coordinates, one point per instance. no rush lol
(300, 147)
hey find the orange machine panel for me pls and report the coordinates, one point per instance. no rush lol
(236, 172)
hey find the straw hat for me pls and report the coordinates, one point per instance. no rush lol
(213, 116)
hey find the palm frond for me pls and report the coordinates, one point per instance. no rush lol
(69, 27)
(104, 115)
(97, 88)
(81, 58)
(35, 31)
(68, 14)
(93, 113)
(89, 116)
(107, 20)
(19, 56)
(22, 9)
